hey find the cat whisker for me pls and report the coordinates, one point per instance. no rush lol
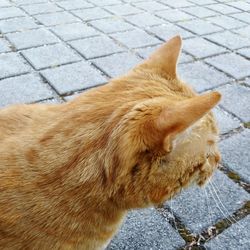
(217, 205)
(230, 216)
(208, 207)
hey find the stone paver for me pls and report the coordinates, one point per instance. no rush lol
(34, 9)
(73, 31)
(20, 89)
(56, 18)
(235, 153)
(50, 56)
(166, 31)
(53, 50)
(10, 12)
(110, 25)
(17, 24)
(12, 64)
(135, 38)
(228, 62)
(199, 47)
(200, 27)
(114, 70)
(73, 77)
(32, 38)
(201, 76)
(236, 237)
(144, 228)
(91, 14)
(225, 121)
(226, 22)
(4, 46)
(229, 40)
(200, 208)
(236, 100)
(96, 46)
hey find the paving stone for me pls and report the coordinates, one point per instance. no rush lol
(114, 65)
(10, 12)
(73, 77)
(51, 101)
(17, 24)
(200, 47)
(146, 229)
(91, 14)
(40, 8)
(167, 31)
(235, 153)
(199, 208)
(144, 20)
(247, 81)
(56, 18)
(184, 58)
(135, 38)
(245, 32)
(23, 89)
(4, 46)
(223, 8)
(225, 121)
(50, 56)
(200, 27)
(227, 63)
(244, 52)
(174, 15)
(235, 237)
(96, 46)
(12, 64)
(200, 11)
(203, 2)
(75, 4)
(201, 76)
(177, 4)
(243, 16)
(74, 31)
(151, 6)
(226, 22)
(105, 3)
(235, 98)
(229, 40)
(123, 9)
(110, 25)
(5, 3)
(32, 38)
(242, 5)
(25, 2)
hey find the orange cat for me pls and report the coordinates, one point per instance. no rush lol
(70, 172)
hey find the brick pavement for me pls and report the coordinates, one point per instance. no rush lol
(50, 50)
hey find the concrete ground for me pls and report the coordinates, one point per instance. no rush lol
(52, 50)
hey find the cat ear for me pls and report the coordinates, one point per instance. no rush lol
(165, 58)
(179, 117)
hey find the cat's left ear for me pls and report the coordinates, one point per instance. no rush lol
(164, 59)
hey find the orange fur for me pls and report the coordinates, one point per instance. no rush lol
(70, 172)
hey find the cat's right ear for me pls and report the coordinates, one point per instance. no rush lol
(164, 59)
(182, 115)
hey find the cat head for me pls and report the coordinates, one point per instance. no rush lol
(165, 136)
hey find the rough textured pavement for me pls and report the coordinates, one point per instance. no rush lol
(52, 50)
